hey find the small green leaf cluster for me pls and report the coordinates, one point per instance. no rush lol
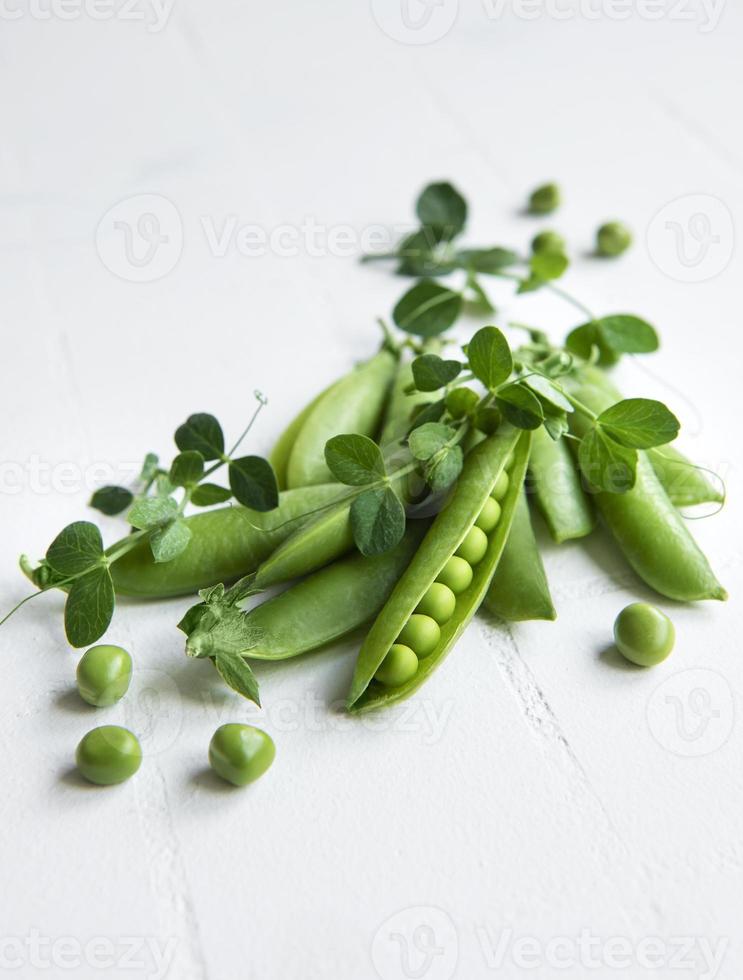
(77, 561)
(608, 451)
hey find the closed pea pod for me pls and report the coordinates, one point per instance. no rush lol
(353, 404)
(397, 418)
(519, 590)
(686, 484)
(648, 528)
(323, 607)
(225, 544)
(409, 598)
(279, 456)
(566, 509)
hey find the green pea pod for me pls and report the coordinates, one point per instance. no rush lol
(226, 543)
(447, 535)
(686, 484)
(320, 541)
(279, 456)
(566, 509)
(397, 418)
(353, 404)
(647, 527)
(327, 605)
(519, 590)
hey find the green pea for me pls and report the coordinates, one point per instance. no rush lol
(489, 516)
(501, 486)
(544, 199)
(548, 243)
(399, 665)
(474, 546)
(643, 634)
(421, 634)
(613, 238)
(240, 753)
(103, 675)
(457, 574)
(509, 461)
(109, 754)
(438, 602)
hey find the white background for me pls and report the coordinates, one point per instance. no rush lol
(536, 789)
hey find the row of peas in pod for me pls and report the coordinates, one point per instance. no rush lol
(421, 635)
(111, 754)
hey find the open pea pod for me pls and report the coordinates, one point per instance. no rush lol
(519, 590)
(453, 542)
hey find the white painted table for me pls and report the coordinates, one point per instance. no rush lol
(538, 809)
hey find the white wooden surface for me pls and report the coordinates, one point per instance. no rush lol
(538, 809)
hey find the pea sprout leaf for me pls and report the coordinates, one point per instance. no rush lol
(237, 674)
(444, 468)
(556, 425)
(203, 433)
(640, 423)
(548, 392)
(487, 419)
(428, 309)
(169, 541)
(207, 494)
(187, 468)
(430, 412)
(149, 468)
(421, 255)
(253, 483)
(377, 521)
(441, 206)
(76, 548)
(478, 302)
(431, 372)
(490, 357)
(520, 406)
(627, 334)
(488, 261)
(111, 500)
(428, 439)
(461, 402)
(354, 459)
(89, 607)
(605, 464)
(151, 512)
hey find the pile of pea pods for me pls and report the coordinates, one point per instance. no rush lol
(473, 545)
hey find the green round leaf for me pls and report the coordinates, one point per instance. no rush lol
(203, 433)
(253, 483)
(354, 459)
(111, 500)
(89, 607)
(443, 207)
(207, 494)
(187, 469)
(490, 357)
(427, 309)
(430, 372)
(76, 548)
(520, 406)
(377, 521)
